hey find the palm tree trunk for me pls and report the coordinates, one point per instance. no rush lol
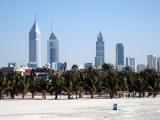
(7, 94)
(143, 94)
(123, 94)
(76, 95)
(134, 94)
(140, 94)
(56, 95)
(1, 94)
(44, 94)
(16, 93)
(80, 95)
(111, 95)
(69, 95)
(100, 93)
(92, 94)
(129, 95)
(154, 93)
(33, 93)
(12, 94)
(149, 93)
(120, 94)
(23, 94)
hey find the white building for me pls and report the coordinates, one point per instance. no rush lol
(151, 62)
(21, 70)
(34, 46)
(141, 67)
(158, 64)
(130, 62)
(154, 63)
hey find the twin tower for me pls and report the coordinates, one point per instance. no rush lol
(35, 47)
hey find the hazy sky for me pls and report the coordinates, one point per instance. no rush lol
(76, 23)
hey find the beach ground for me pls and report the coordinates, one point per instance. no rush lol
(80, 109)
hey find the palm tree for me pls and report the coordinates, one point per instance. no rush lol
(110, 81)
(129, 76)
(107, 67)
(140, 85)
(23, 84)
(75, 75)
(99, 85)
(3, 84)
(152, 80)
(43, 86)
(33, 83)
(72, 81)
(122, 83)
(57, 83)
(68, 84)
(91, 80)
(157, 83)
(12, 84)
(83, 76)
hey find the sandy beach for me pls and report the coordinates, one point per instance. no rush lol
(81, 109)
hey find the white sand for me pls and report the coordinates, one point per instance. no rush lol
(81, 109)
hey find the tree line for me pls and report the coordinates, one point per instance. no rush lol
(106, 81)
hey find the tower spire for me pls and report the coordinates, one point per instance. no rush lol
(35, 16)
(51, 28)
(51, 24)
(99, 37)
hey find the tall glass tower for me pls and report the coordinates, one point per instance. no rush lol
(151, 62)
(99, 59)
(119, 56)
(52, 49)
(34, 46)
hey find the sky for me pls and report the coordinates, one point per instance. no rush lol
(76, 24)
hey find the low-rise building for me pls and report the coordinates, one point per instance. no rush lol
(141, 67)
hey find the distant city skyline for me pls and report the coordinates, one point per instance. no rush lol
(77, 23)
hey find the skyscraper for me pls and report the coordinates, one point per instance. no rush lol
(119, 56)
(52, 50)
(130, 62)
(99, 59)
(34, 46)
(87, 65)
(151, 62)
(158, 64)
(155, 63)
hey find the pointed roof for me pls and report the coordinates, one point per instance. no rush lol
(35, 27)
(99, 37)
(52, 36)
(100, 34)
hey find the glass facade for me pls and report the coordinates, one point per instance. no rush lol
(151, 62)
(130, 62)
(119, 54)
(99, 59)
(53, 49)
(34, 46)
